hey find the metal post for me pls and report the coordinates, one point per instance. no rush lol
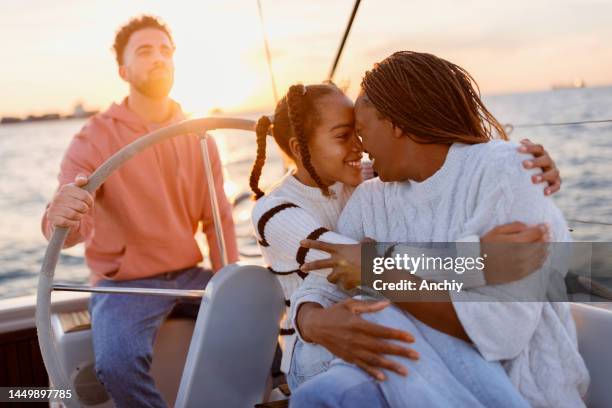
(182, 293)
(213, 199)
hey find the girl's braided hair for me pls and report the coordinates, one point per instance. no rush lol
(296, 115)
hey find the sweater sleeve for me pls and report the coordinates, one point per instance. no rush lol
(82, 156)
(502, 327)
(281, 225)
(318, 289)
(314, 289)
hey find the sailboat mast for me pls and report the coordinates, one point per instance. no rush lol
(332, 71)
(267, 49)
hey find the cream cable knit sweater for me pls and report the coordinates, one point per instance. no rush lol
(478, 187)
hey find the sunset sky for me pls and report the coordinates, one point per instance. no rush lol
(57, 53)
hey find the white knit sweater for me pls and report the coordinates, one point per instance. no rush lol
(287, 214)
(478, 187)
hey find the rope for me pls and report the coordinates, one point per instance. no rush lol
(509, 127)
(343, 42)
(590, 222)
(267, 48)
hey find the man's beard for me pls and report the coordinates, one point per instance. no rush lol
(155, 88)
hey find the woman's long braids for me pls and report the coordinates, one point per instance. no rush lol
(261, 130)
(296, 115)
(430, 99)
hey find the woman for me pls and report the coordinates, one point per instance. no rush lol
(441, 177)
(313, 125)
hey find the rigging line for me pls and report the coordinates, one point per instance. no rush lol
(590, 222)
(341, 48)
(526, 125)
(267, 48)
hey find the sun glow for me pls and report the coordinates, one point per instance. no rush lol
(203, 84)
(60, 53)
(218, 66)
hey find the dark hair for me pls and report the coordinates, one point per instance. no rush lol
(137, 23)
(430, 99)
(296, 115)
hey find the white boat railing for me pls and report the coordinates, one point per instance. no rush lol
(180, 293)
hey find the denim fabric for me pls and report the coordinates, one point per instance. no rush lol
(450, 372)
(307, 360)
(340, 386)
(124, 329)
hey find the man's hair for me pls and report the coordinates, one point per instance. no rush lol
(137, 23)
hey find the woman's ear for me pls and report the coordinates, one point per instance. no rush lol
(294, 147)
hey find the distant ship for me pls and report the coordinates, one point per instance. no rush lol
(79, 112)
(577, 83)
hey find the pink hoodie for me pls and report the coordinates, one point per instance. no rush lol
(146, 213)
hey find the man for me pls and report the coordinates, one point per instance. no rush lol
(140, 231)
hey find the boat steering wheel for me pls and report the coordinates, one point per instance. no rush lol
(57, 377)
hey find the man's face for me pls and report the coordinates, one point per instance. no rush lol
(379, 139)
(148, 63)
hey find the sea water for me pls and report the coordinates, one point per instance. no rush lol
(30, 155)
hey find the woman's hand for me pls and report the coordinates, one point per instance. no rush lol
(342, 331)
(513, 251)
(345, 261)
(550, 173)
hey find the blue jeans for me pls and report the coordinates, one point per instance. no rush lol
(307, 361)
(449, 373)
(124, 329)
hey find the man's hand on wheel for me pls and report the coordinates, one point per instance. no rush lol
(70, 203)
